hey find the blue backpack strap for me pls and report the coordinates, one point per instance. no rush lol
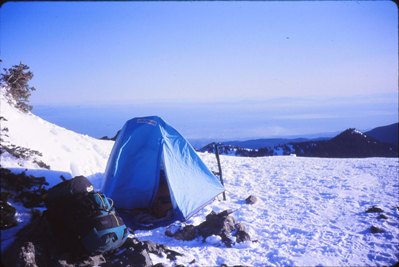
(102, 201)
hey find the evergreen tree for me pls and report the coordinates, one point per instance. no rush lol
(16, 82)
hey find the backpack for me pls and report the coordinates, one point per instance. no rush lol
(84, 220)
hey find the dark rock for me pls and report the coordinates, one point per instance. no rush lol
(374, 209)
(132, 251)
(159, 250)
(240, 227)
(95, 260)
(154, 248)
(241, 234)
(226, 239)
(151, 247)
(187, 233)
(169, 233)
(224, 225)
(221, 224)
(171, 254)
(382, 216)
(251, 199)
(229, 224)
(375, 230)
(127, 257)
(217, 224)
(7, 213)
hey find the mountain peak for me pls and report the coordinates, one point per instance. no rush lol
(351, 135)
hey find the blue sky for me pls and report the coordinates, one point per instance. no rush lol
(270, 68)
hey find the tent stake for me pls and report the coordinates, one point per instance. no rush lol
(220, 168)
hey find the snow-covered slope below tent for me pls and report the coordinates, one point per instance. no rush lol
(61, 149)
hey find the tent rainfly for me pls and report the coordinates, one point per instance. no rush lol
(148, 157)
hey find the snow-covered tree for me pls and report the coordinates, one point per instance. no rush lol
(16, 82)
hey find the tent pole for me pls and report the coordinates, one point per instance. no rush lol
(220, 167)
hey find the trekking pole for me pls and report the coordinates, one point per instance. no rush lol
(220, 168)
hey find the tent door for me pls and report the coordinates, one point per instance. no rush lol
(162, 202)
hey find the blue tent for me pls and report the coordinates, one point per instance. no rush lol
(146, 147)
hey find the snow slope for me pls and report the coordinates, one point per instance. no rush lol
(310, 211)
(63, 150)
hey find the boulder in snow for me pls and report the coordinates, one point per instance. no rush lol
(251, 199)
(376, 230)
(374, 209)
(216, 224)
(187, 233)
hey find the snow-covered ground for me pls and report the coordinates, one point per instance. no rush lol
(65, 151)
(310, 211)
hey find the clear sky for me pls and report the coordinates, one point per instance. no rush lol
(213, 53)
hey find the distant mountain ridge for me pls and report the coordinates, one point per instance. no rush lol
(386, 134)
(265, 142)
(351, 143)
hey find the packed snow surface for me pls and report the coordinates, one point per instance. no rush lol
(310, 211)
